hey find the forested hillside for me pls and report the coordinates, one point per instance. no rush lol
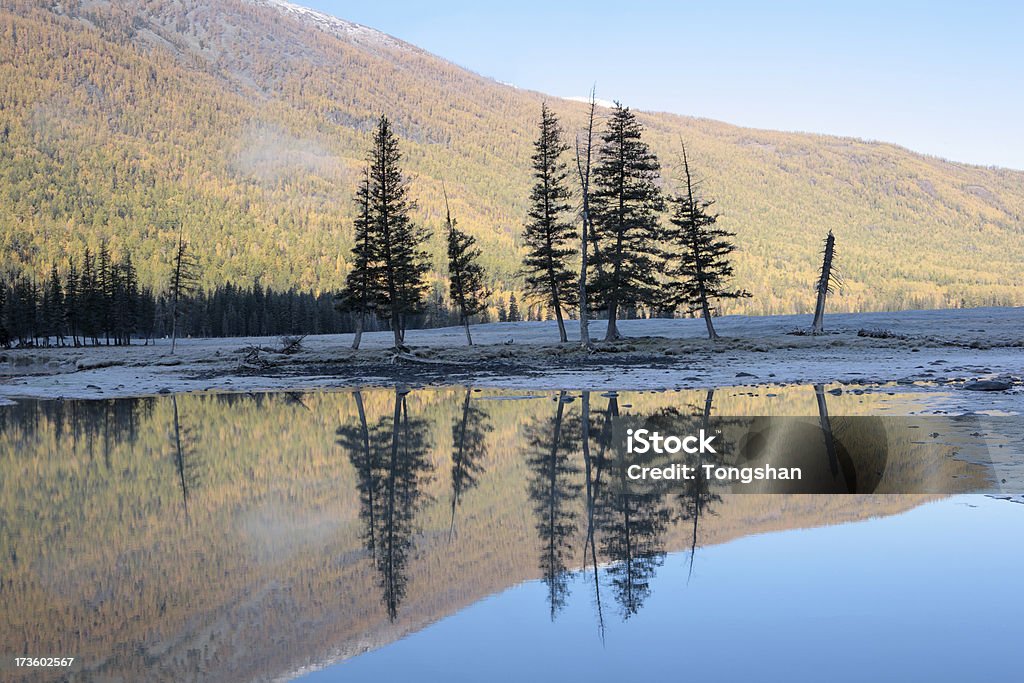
(248, 123)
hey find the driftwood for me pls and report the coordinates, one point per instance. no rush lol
(426, 361)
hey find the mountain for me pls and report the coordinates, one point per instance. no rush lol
(247, 122)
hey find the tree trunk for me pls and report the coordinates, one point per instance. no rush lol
(613, 329)
(584, 315)
(396, 328)
(818, 326)
(562, 337)
(584, 170)
(360, 321)
(174, 324)
(465, 323)
(706, 312)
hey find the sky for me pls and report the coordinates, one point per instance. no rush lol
(942, 78)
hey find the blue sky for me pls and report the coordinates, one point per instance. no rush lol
(941, 78)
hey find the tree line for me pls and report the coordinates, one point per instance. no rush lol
(608, 241)
(98, 301)
(628, 259)
(609, 255)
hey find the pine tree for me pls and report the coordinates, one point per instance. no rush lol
(105, 291)
(514, 315)
(184, 276)
(89, 300)
(126, 300)
(71, 301)
(549, 232)
(22, 311)
(702, 264)
(466, 277)
(399, 241)
(146, 314)
(363, 282)
(56, 312)
(625, 205)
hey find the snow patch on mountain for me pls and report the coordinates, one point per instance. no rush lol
(349, 30)
(608, 104)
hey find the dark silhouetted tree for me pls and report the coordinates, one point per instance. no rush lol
(56, 313)
(827, 278)
(362, 284)
(699, 266)
(399, 241)
(625, 203)
(514, 315)
(468, 292)
(549, 232)
(184, 277)
(72, 300)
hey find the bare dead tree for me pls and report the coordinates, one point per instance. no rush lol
(583, 167)
(826, 280)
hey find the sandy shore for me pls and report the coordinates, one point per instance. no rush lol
(930, 350)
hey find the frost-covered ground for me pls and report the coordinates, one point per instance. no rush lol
(936, 351)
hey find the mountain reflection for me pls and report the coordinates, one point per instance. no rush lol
(325, 523)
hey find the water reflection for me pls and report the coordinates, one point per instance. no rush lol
(551, 444)
(287, 529)
(469, 450)
(392, 464)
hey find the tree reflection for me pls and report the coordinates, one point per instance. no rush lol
(632, 526)
(355, 440)
(697, 498)
(826, 430)
(391, 461)
(469, 448)
(593, 467)
(553, 491)
(186, 464)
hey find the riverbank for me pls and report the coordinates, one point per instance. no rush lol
(948, 351)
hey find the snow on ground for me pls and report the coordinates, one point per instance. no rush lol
(939, 351)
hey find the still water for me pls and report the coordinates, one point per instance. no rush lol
(456, 534)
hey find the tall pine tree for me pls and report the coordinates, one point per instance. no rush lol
(363, 282)
(549, 234)
(465, 275)
(702, 265)
(625, 205)
(399, 241)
